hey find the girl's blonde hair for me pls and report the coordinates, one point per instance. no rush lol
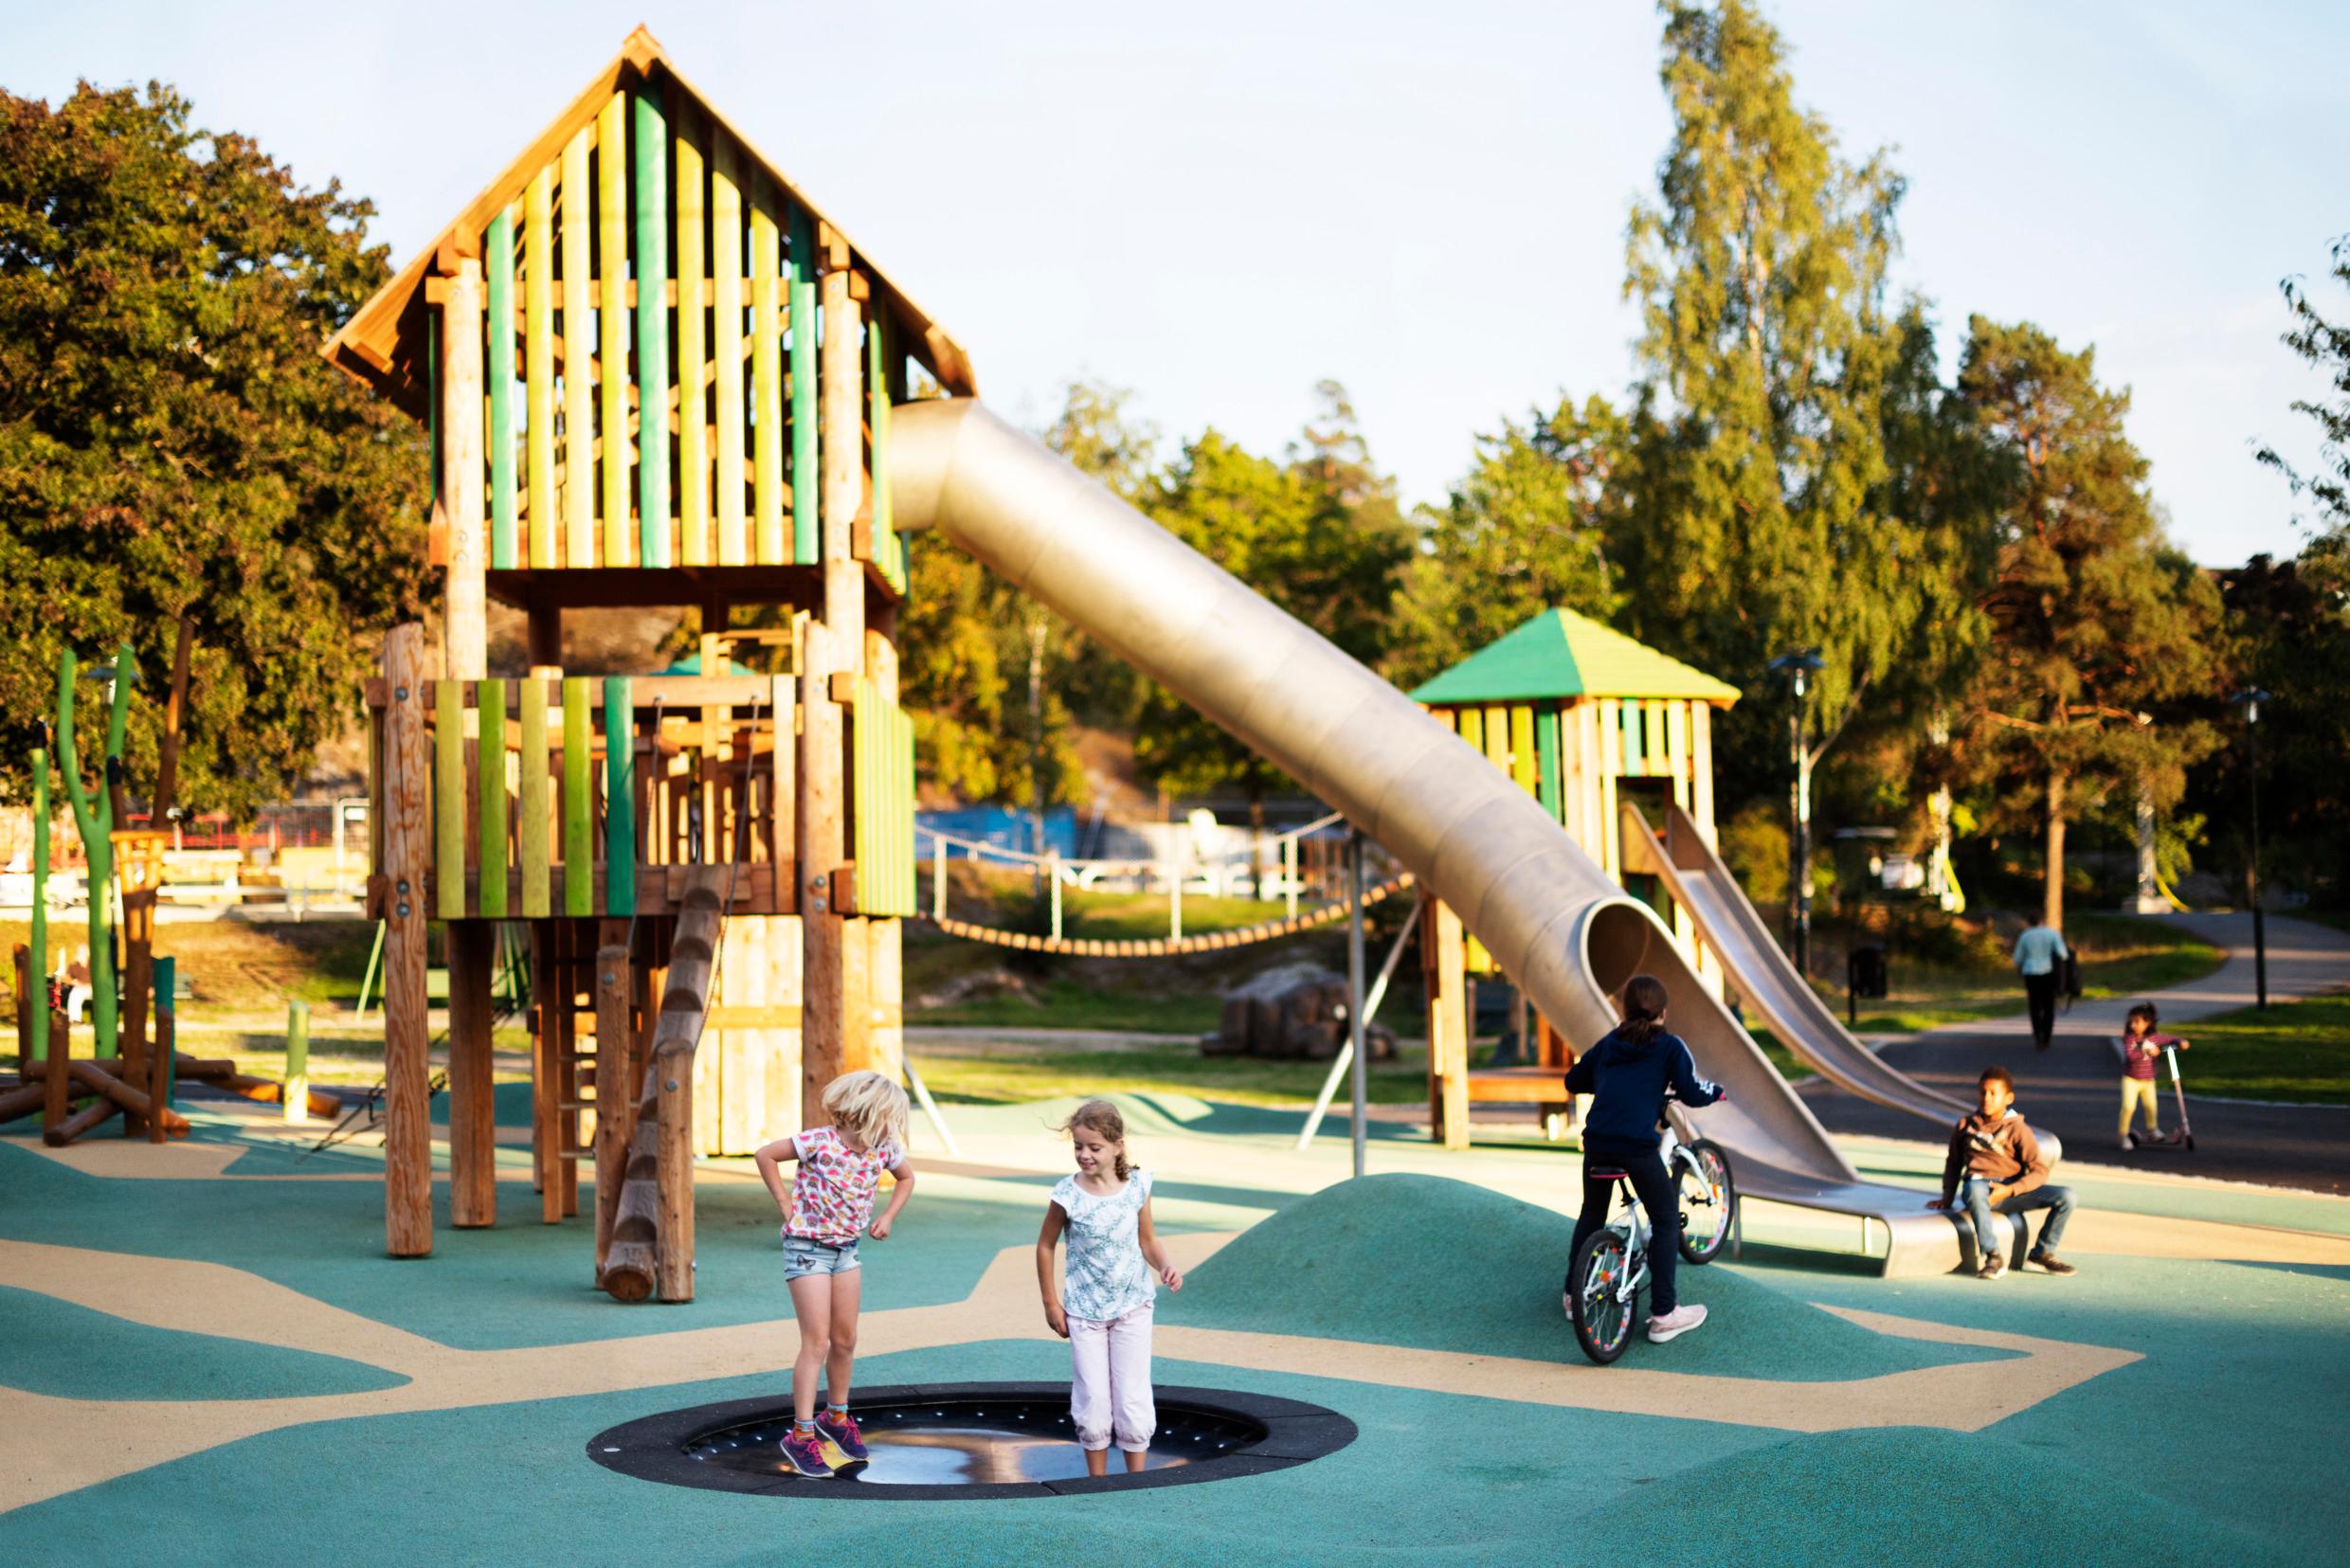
(1101, 1117)
(869, 1107)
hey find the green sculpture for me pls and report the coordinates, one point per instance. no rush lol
(97, 825)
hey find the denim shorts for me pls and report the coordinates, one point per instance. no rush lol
(806, 1256)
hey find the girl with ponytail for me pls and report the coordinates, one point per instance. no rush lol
(1627, 1073)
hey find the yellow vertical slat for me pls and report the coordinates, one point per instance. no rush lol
(538, 360)
(726, 288)
(612, 373)
(766, 379)
(579, 420)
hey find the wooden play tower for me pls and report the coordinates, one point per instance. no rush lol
(655, 376)
(1589, 722)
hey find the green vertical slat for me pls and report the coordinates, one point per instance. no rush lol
(906, 874)
(619, 796)
(448, 795)
(860, 793)
(501, 386)
(801, 270)
(652, 195)
(530, 826)
(490, 774)
(1546, 759)
(579, 807)
(1628, 724)
(167, 992)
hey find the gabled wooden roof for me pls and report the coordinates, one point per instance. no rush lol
(383, 344)
(1561, 654)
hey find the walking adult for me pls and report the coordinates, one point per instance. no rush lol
(2040, 953)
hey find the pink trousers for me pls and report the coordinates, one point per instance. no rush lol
(1112, 1391)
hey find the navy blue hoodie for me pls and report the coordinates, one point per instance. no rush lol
(1629, 1078)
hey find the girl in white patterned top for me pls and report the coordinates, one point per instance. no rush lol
(1104, 1210)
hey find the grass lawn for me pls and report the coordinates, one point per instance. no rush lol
(2123, 956)
(1000, 1072)
(2297, 1051)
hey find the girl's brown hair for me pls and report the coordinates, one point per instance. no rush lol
(1101, 1118)
(1644, 1009)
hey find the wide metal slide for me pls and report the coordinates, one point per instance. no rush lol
(1549, 916)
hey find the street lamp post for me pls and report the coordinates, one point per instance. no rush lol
(2251, 702)
(1799, 665)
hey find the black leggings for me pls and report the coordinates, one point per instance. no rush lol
(1655, 1189)
(2040, 999)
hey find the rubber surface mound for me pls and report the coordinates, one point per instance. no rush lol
(71, 1352)
(1799, 1501)
(1439, 1265)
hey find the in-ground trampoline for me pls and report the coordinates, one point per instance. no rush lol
(971, 1440)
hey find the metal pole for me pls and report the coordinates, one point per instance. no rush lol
(1344, 1061)
(2260, 926)
(1355, 1021)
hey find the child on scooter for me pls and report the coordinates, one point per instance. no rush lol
(1627, 1073)
(2141, 1048)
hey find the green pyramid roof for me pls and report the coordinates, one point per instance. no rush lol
(1561, 654)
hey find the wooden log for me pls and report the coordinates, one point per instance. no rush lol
(500, 385)
(162, 1083)
(649, 181)
(407, 1096)
(769, 546)
(472, 947)
(59, 1096)
(534, 804)
(652, 1244)
(539, 356)
(612, 374)
(22, 1101)
(693, 401)
(37, 952)
(726, 288)
(131, 1099)
(201, 1069)
(806, 528)
(579, 462)
(80, 1122)
(23, 957)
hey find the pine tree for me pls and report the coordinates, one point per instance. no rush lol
(2103, 655)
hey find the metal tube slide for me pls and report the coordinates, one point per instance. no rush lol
(1548, 914)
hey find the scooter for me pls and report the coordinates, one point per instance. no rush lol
(2183, 1138)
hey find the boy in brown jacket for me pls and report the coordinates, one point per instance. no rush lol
(1995, 1164)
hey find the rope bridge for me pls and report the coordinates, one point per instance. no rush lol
(1166, 947)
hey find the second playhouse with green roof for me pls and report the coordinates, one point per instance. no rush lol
(1586, 720)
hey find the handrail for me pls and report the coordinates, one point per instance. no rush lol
(977, 847)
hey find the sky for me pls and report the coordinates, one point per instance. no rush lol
(1219, 204)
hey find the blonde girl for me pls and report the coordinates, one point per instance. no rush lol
(1105, 1211)
(825, 1213)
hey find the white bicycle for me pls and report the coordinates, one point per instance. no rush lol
(1610, 1269)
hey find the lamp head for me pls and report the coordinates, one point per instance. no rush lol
(2249, 701)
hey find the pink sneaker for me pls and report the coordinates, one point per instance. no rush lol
(805, 1454)
(1674, 1323)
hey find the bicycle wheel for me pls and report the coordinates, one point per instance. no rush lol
(1708, 1198)
(1603, 1310)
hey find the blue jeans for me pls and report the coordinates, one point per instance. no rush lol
(806, 1256)
(1975, 1195)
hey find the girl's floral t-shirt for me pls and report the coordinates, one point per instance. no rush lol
(832, 1194)
(1107, 1275)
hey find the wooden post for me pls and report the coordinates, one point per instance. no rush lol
(465, 636)
(835, 646)
(53, 1110)
(407, 847)
(673, 1091)
(1444, 953)
(472, 946)
(162, 1063)
(615, 1101)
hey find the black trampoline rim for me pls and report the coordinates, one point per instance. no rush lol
(652, 1447)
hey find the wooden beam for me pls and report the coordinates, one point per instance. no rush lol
(472, 946)
(408, 1095)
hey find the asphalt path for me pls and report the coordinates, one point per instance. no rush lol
(2073, 1089)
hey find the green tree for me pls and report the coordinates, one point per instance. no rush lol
(2324, 344)
(2104, 639)
(1757, 466)
(172, 442)
(1522, 531)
